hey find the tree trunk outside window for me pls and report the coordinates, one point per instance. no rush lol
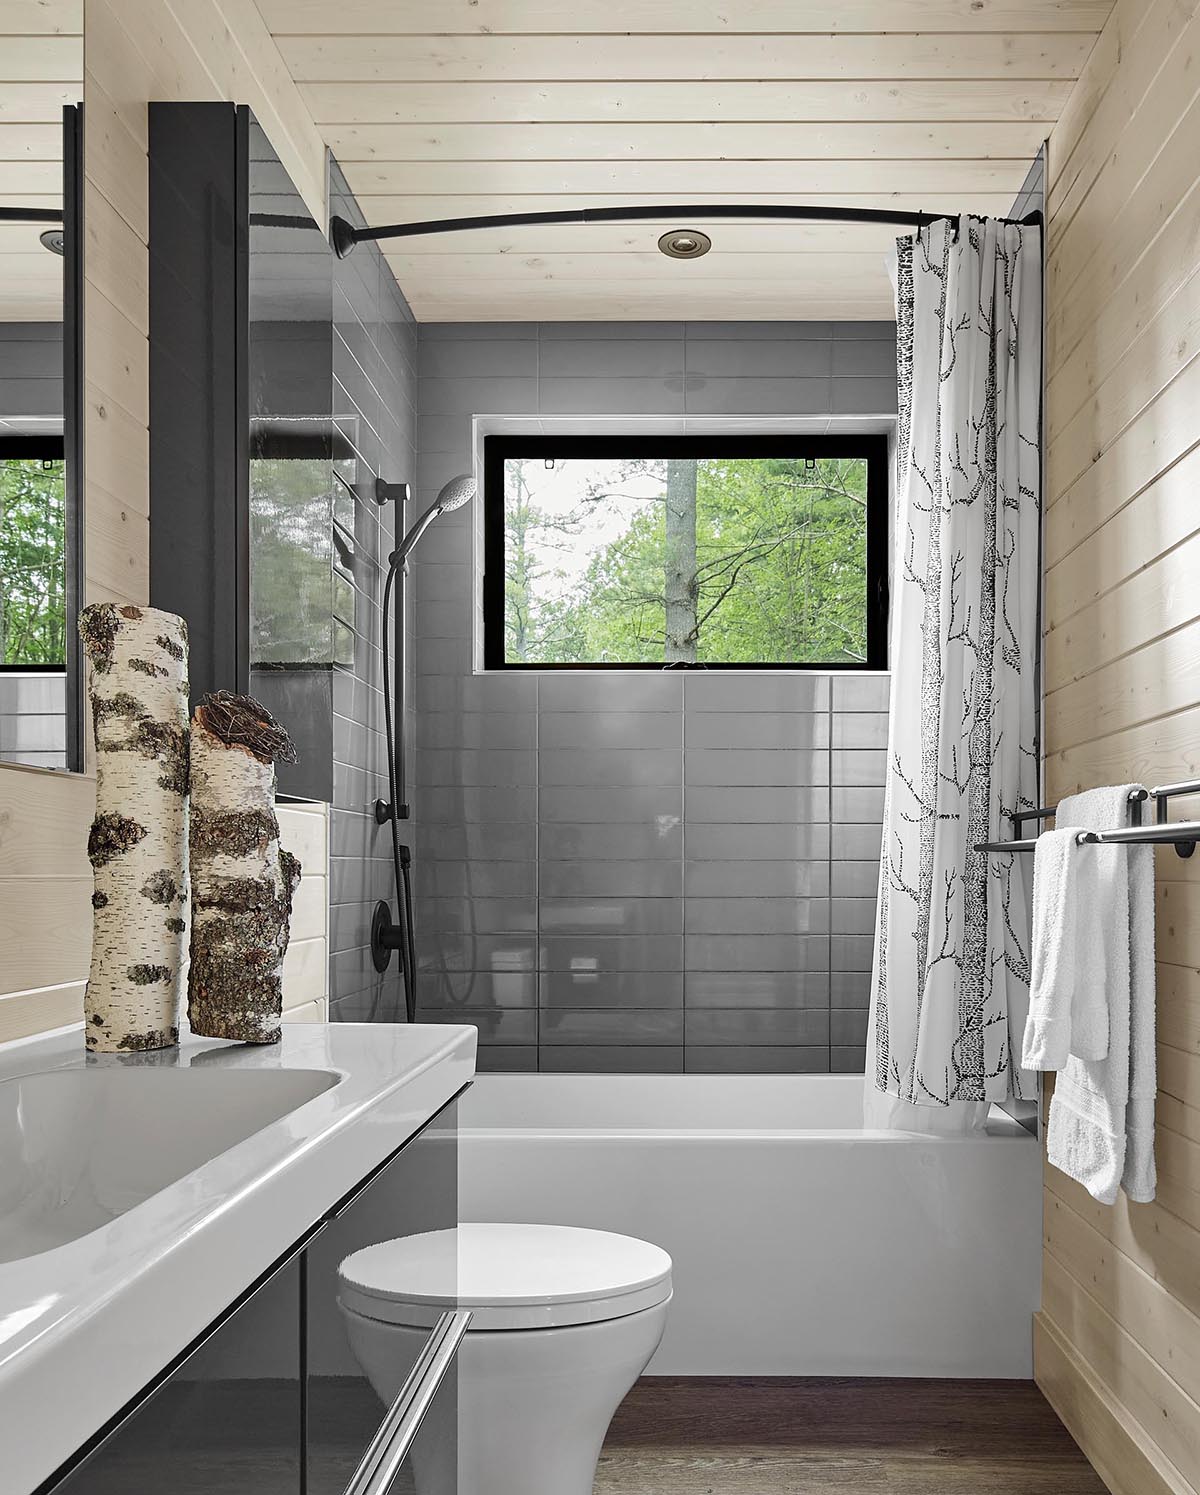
(679, 592)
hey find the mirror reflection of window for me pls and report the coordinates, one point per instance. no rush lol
(41, 76)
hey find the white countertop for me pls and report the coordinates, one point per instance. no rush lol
(85, 1325)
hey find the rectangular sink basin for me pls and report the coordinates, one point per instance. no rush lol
(80, 1147)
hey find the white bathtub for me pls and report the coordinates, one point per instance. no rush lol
(803, 1245)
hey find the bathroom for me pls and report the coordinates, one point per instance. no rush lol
(588, 942)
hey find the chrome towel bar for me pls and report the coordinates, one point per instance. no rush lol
(1182, 834)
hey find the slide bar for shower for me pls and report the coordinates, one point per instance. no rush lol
(344, 236)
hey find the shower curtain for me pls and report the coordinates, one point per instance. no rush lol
(950, 984)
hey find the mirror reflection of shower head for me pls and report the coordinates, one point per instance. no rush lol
(457, 492)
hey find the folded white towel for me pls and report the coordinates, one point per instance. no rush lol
(1139, 1177)
(1068, 1007)
(1086, 1135)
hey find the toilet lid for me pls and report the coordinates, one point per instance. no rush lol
(509, 1276)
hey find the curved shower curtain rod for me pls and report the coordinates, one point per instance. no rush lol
(344, 236)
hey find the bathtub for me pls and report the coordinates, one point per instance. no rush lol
(803, 1245)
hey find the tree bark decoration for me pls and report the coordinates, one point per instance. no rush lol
(242, 883)
(138, 688)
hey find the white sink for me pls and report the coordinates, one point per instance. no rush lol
(80, 1147)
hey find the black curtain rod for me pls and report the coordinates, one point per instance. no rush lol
(31, 215)
(344, 236)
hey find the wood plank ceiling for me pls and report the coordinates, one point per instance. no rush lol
(41, 69)
(438, 108)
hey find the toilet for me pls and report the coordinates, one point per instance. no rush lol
(563, 1322)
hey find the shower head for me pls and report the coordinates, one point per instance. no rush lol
(457, 492)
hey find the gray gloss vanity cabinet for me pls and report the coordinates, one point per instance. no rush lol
(271, 1401)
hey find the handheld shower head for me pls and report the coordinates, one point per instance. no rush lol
(457, 492)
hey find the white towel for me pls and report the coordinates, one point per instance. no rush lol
(1086, 1136)
(1139, 1177)
(1068, 1007)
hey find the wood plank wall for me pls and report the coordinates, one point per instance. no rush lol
(134, 51)
(1118, 1338)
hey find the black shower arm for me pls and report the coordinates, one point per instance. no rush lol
(344, 236)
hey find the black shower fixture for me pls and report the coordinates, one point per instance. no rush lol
(386, 493)
(388, 934)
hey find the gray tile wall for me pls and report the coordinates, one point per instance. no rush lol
(33, 718)
(374, 398)
(640, 872)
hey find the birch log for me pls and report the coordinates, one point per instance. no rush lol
(242, 882)
(137, 685)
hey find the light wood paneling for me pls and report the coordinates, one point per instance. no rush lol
(476, 107)
(474, 57)
(41, 69)
(824, 100)
(1096, 1420)
(23, 1013)
(709, 17)
(1118, 1341)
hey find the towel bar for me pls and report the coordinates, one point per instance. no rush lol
(1182, 834)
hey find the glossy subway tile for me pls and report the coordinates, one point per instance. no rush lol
(747, 767)
(752, 916)
(626, 768)
(744, 1060)
(620, 954)
(757, 989)
(773, 806)
(608, 730)
(659, 839)
(760, 879)
(800, 731)
(573, 1025)
(638, 804)
(584, 878)
(807, 842)
(803, 1028)
(452, 991)
(611, 989)
(609, 916)
(610, 1059)
(757, 952)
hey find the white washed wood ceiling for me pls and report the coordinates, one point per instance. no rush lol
(444, 108)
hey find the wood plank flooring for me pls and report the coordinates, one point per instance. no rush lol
(779, 1436)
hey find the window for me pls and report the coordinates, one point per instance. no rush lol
(33, 557)
(719, 552)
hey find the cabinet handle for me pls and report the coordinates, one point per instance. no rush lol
(389, 1447)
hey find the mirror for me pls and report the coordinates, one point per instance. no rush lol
(41, 88)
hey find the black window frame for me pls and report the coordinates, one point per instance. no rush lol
(871, 447)
(50, 447)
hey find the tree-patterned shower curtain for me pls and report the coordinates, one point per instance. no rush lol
(950, 984)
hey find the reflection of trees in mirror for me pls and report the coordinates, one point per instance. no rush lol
(33, 576)
(688, 560)
(291, 549)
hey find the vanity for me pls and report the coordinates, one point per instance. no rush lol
(172, 1225)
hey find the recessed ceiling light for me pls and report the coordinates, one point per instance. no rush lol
(52, 240)
(685, 244)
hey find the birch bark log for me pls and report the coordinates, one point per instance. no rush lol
(138, 688)
(242, 882)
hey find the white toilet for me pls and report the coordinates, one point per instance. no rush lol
(563, 1323)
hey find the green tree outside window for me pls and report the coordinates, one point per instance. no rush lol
(33, 571)
(744, 560)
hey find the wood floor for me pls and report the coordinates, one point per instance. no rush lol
(840, 1437)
